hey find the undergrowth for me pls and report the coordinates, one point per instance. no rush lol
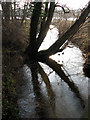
(15, 40)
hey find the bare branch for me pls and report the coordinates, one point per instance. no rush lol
(63, 8)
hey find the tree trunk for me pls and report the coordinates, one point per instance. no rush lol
(6, 11)
(46, 25)
(44, 17)
(31, 50)
(15, 10)
(11, 12)
(24, 13)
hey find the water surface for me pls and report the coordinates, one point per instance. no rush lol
(43, 94)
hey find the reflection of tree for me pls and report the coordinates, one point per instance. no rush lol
(37, 91)
(42, 104)
(57, 68)
(50, 92)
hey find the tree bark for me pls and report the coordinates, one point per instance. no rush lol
(31, 50)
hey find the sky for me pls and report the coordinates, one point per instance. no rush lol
(74, 4)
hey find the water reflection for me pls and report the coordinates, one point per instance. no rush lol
(57, 68)
(47, 82)
(72, 63)
(39, 98)
(50, 92)
(42, 93)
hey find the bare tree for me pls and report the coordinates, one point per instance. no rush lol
(6, 10)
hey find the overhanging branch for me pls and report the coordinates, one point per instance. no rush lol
(68, 34)
(63, 8)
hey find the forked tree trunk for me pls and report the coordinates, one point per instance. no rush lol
(32, 50)
(43, 56)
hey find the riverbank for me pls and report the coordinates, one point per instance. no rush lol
(81, 39)
(14, 37)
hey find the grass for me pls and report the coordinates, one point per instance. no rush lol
(80, 39)
(10, 109)
(15, 40)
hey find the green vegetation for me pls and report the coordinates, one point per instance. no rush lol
(10, 109)
(15, 39)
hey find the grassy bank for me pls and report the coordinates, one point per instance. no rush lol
(81, 39)
(15, 39)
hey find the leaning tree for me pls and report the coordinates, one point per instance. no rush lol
(39, 27)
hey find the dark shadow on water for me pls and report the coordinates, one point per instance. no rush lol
(42, 105)
(38, 95)
(58, 69)
(50, 92)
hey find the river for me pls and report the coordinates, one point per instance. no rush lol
(40, 96)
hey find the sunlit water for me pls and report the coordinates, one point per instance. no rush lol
(54, 99)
